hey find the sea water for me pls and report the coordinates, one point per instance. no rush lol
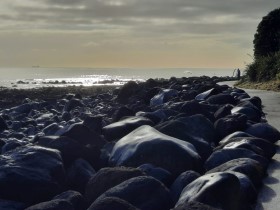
(42, 77)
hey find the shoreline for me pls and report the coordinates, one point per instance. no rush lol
(14, 96)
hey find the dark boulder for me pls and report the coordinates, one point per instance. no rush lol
(51, 129)
(74, 198)
(259, 146)
(221, 99)
(163, 96)
(156, 116)
(251, 113)
(144, 192)
(72, 104)
(11, 205)
(122, 112)
(158, 173)
(194, 206)
(218, 190)
(94, 123)
(121, 128)
(3, 125)
(223, 111)
(181, 182)
(234, 135)
(129, 89)
(151, 83)
(147, 145)
(70, 149)
(231, 123)
(56, 204)
(264, 131)
(248, 193)
(255, 100)
(207, 94)
(31, 174)
(78, 175)
(66, 116)
(191, 108)
(23, 109)
(112, 203)
(222, 156)
(107, 178)
(188, 95)
(201, 127)
(247, 166)
(84, 135)
(12, 144)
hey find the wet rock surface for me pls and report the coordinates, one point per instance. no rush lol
(183, 143)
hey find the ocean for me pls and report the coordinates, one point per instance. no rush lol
(43, 77)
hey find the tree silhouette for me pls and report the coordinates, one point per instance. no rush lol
(267, 37)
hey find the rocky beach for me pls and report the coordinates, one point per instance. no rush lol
(178, 143)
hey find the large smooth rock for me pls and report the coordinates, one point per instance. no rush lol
(144, 192)
(121, 128)
(163, 96)
(264, 131)
(147, 145)
(112, 203)
(30, 174)
(219, 190)
(224, 155)
(107, 178)
(251, 168)
(181, 182)
(182, 131)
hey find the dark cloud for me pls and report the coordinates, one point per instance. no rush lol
(146, 18)
(135, 13)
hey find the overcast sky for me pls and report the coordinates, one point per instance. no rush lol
(129, 33)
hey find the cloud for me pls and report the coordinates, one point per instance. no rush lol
(83, 14)
(131, 25)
